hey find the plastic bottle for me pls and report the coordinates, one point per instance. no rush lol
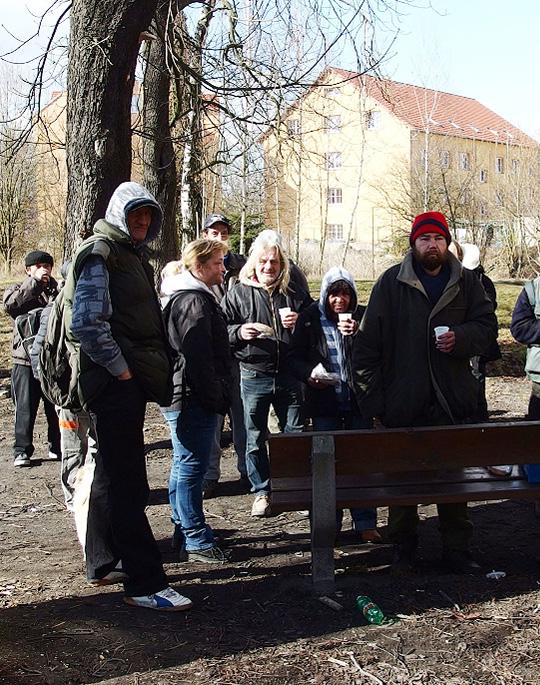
(372, 613)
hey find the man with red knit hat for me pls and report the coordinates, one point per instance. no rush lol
(406, 376)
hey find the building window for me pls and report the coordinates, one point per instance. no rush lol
(499, 197)
(499, 165)
(333, 160)
(373, 119)
(334, 231)
(335, 196)
(333, 123)
(483, 211)
(483, 176)
(464, 161)
(294, 127)
(515, 166)
(444, 159)
(332, 93)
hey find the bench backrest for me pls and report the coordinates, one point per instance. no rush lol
(397, 450)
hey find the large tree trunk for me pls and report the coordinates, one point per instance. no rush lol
(104, 42)
(160, 175)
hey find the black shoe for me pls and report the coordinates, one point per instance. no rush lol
(456, 561)
(212, 555)
(403, 559)
(209, 488)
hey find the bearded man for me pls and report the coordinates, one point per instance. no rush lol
(406, 376)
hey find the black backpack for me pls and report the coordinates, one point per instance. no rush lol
(27, 326)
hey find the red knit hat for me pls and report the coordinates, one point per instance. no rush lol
(430, 222)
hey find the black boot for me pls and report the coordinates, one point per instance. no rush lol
(459, 562)
(404, 557)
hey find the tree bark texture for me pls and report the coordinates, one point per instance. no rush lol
(159, 159)
(104, 43)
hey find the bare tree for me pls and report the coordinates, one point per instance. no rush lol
(103, 48)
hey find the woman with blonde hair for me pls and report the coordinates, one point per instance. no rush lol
(198, 334)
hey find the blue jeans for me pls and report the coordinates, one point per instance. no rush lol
(192, 434)
(259, 392)
(363, 519)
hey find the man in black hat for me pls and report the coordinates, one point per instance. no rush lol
(218, 227)
(24, 303)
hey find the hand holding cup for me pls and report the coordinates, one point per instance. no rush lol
(288, 317)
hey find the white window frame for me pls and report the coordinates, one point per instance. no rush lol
(333, 160)
(334, 232)
(464, 161)
(333, 123)
(294, 127)
(483, 176)
(335, 196)
(444, 159)
(373, 119)
(499, 165)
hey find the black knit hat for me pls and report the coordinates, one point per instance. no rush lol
(38, 257)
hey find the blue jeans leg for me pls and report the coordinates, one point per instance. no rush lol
(363, 518)
(257, 392)
(195, 430)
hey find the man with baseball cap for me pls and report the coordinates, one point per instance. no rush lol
(24, 303)
(406, 376)
(218, 227)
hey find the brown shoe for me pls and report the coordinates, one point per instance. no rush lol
(371, 536)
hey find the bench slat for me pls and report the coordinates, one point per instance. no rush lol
(426, 493)
(411, 449)
(469, 474)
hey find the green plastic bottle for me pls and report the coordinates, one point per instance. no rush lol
(372, 613)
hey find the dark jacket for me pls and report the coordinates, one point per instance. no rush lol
(198, 334)
(400, 376)
(136, 323)
(247, 302)
(494, 351)
(307, 349)
(22, 298)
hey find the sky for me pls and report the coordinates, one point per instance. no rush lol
(485, 49)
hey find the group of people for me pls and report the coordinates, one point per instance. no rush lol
(241, 336)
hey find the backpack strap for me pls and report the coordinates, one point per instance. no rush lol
(532, 288)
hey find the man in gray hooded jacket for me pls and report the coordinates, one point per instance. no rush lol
(124, 362)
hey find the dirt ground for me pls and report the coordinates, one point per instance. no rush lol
(254, 619)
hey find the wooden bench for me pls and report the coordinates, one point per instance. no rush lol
(361, 468)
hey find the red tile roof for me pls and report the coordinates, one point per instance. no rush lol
(443, 113)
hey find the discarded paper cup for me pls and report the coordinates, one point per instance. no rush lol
(439, 330)
(344, 316)
(496, 575)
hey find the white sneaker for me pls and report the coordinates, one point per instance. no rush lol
(261, 506)
(501, 471)
(164, 600)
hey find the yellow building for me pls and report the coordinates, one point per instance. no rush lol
(357, 157)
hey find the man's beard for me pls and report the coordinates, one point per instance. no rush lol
(430, 260)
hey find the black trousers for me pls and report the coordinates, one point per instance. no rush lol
(26, 394)
(121, 468)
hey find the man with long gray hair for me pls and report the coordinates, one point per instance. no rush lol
(261, 312)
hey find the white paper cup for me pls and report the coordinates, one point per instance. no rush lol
(344, 316)
(284, 311)
(439, 330)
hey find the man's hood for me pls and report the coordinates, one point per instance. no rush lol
(127, 197)
(337, 273)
